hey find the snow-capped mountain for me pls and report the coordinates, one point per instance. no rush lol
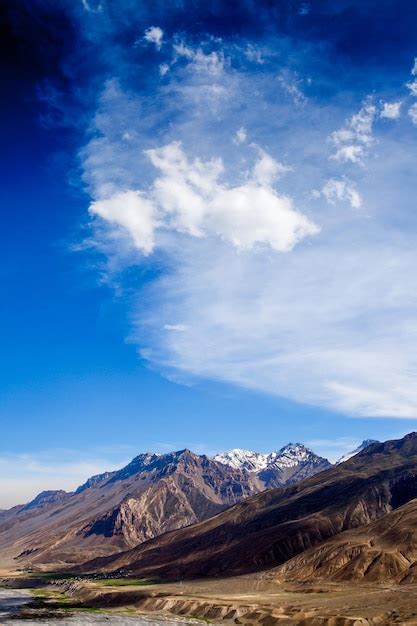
(243, 459)
(289, 456)
(349, 455)
(290, 464)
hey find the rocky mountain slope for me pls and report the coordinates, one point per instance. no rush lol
(153, 494)
(290, 464)
(114, 511)
(272, 527)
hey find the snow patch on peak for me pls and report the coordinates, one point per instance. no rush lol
(243, 459)
(291, 455)
(349, 455)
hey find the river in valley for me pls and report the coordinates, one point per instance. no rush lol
(12, 600)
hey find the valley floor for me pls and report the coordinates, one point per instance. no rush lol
(254, 599)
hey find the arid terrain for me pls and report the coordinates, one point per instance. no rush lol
(251, 599)
(276, 525)
(153, 494)
(339, 547)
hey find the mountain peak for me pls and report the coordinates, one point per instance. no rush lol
(243, 459)
(94, 480)
(292, 455)
(289, 456)
(46, 497)
(365, 444)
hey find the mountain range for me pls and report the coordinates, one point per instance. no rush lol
(152, 495)
(353, 520)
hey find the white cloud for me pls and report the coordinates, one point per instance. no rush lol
(267, 170)
(212, 63)
(131, 211)
(163, 69)
(412, 112)
(328, 325)
(353, 140)
(342, 190)
(412, 86)
(254, 54)
(350, 152)
(180, 328)
(154, 35)
(188, 197)
(391, 110)
(240, 136)
(291, 87)
(331, 323)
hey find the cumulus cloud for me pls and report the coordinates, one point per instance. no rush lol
(154, 35)
(187, 196)
(353, 140)
(391, 110)
(131, 211)
(342, 191)
(331, 321)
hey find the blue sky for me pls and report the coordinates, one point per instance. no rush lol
(209, 230)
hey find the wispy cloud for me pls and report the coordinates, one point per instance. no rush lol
(256, 285)
(342, 191)
(412, 112)
(353, 140)
(291, 86)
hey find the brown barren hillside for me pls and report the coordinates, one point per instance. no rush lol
(153, 494)
(385, 550)
(118, 510)
(274, 526)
